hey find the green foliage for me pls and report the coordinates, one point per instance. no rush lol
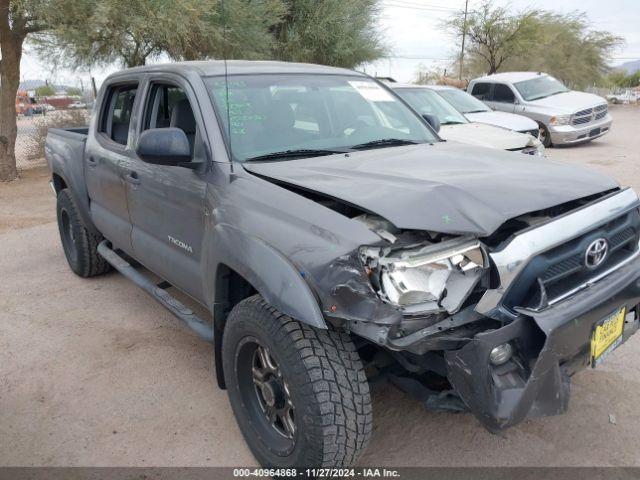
(74, 92)
(572, 52)
(560, 44)
(331, 32)
(45, 91)
(620, 79)
(130, 32)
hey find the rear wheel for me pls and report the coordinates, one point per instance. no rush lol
(299, 394)
(544, 135)
(79, 244)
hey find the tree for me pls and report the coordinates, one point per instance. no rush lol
(18, 19)
(74, 92)
(45, 91)
(572, 52)
(493, 34)
(560, 44)
(332, 32)
(131, 32)
(620, 79)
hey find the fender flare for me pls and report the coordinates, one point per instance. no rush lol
(78, 191)
(269, 272)
(274, 277)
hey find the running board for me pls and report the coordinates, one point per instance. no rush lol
(172, 304)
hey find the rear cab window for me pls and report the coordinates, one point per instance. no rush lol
(117, 112)
(481, 90)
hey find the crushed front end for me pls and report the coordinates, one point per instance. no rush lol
(508, 320)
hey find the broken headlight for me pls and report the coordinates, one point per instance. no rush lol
(429, 278)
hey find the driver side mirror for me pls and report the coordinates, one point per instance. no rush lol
(432, 120)
(165, 146)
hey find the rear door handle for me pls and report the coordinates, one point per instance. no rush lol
(92, 162)
(132, 178)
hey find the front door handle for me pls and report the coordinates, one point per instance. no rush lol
(132, 178)
(92, 162)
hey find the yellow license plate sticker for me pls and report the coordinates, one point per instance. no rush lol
(607, 336)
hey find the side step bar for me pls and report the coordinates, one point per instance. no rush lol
(172, 304)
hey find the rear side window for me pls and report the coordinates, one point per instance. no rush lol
(117, 115)
(502, 93)
(481, 91)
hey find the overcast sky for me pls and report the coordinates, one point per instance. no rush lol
(411, 29)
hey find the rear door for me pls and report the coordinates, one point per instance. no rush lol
(107, 148)
(166, 203)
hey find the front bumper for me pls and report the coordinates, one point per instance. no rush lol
(552, 344)
(570, 134)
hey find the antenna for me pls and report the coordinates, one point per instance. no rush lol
(226, 78)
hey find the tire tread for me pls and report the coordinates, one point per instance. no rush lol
(334, 374)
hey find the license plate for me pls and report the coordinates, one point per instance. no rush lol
(607, 335)
(593, 132)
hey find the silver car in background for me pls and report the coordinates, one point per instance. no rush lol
(476, 111)
(564, 116)
(452, 125)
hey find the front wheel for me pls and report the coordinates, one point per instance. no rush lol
(299, 394)
(544, 136)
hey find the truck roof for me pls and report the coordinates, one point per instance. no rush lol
(509, 76)
(237, 67)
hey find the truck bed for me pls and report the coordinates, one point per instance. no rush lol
(64, 152)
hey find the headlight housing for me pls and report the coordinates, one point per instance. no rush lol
(560, 120)
(435, 277)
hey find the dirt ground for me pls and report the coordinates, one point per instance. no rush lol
(95, 373)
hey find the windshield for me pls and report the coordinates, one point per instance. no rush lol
(308, 114)
(540, 87)
(462, 101)
(424, 101)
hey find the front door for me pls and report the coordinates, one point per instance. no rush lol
(166, 203)
(502, 98)
(104, 165)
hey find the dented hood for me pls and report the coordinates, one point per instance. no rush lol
(444, 187)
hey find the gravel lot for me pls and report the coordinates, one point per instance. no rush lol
(95, 373)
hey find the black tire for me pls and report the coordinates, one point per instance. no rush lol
(544, 135)
(322, 379)
(80, 246)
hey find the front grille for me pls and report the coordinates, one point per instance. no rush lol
(581, 120)
(550, 275)
(588, 115)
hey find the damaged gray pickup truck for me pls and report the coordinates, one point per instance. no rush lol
(334, 238)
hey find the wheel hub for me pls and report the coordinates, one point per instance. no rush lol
(272, 393)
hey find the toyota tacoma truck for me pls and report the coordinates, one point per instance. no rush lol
(335, 239)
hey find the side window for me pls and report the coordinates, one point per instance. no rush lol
(502, 93)
(168, 106)
(481, 91)
(117, 114)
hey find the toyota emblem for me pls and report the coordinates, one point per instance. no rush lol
(596, 253)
